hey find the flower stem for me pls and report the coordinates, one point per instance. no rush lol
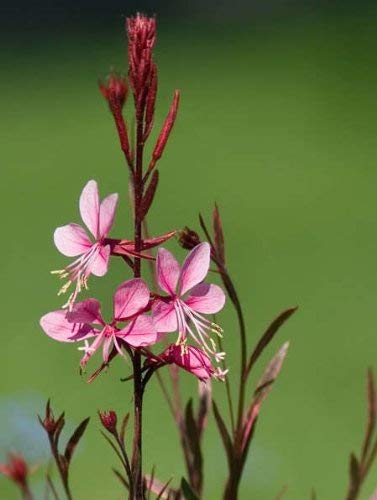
(136, 466)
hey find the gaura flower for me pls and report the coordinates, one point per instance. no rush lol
(188, 298)
(193, 360)
(85, 321)
(72, 240)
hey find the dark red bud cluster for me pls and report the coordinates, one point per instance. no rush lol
(188, 238)
(141, 32)
(109, 420)
(115, 91)
(49, 423)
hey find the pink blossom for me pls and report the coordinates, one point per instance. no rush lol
(193, 360)
(72, 240)
(188, 298)
(85, 321)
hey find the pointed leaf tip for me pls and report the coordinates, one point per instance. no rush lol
(74, 439)
(188, 492)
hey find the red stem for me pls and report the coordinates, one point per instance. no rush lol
(136, 465)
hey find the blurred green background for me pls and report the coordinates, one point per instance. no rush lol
(277, 124)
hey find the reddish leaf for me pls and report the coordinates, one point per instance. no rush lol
(121, 478)
(193, 440)
(165, 131)
(263, 388)
(149, 195)
(227, 441)
(123, 427)
(59, 427)
(150, 104)
(74, 440)
(268, 336)
(219, 235)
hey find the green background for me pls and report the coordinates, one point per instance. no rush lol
(277, 124)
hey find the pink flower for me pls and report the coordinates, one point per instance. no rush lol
(85, 321)
(193, 360)
(181, 312)
(72, 240)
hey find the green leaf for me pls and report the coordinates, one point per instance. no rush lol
(187, 491)
(74, 440)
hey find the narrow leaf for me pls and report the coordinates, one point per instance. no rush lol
(74, 440)
(187, 491)
(163, 490)
(121, 478)
(166, 130)
(205, 230)
(192, 435)
(51, 485)
(157, 487)
(371, 422)
(123, 427)
(227, 442)
(269, 335)
(150, 103)
(149, 195)
(354, 472)
(271, 372)
(115, 449)
(59, 427)
(219, 235)
(263, 388)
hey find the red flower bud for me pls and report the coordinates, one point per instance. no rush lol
(188, 238)
(109, 420)
(115, 91)
(141, 32)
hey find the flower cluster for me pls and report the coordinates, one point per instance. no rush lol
(140, 319)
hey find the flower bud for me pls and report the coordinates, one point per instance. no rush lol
(109, 420)
(141, 31)
(188, 238)
(115, 91)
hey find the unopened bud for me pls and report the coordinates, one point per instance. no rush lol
(115, 91)
(188, 238)
(109, 420)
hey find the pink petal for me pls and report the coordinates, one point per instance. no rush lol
(89, 207)
(93, 348)
(167, 271)
(193, 360)
(164, 316)
(87, 311)
(71, 240)
(140, 332)
(205, 298)
(106, 349)
(100, 262)
(56, 326)
(131, 297)
(106, 214)
(195, 267)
